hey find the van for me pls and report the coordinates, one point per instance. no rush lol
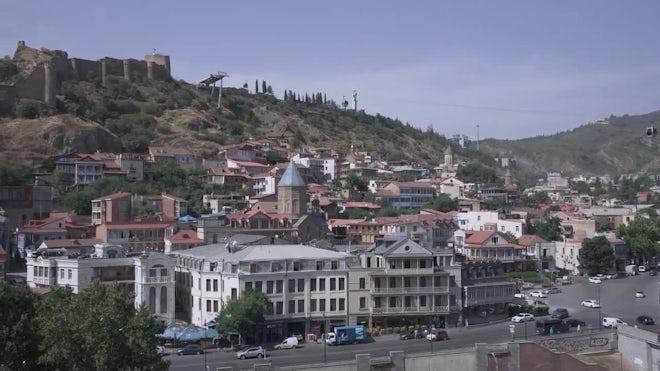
(612, 322)
(558, 326)
(288, 343)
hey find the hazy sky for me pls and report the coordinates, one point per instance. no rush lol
(515, 68)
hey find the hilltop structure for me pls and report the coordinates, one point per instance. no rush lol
(38, 73)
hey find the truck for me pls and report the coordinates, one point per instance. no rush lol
(631, 270)
(346, 335)
(563, 280)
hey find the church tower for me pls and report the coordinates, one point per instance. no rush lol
(507, 177)
(292, 193)
(449, 158)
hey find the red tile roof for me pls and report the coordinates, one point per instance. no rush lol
(186, 236)
(138, 225)
(530, 240)
(361, 205)
(478, 237)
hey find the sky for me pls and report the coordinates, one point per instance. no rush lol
(487, 69)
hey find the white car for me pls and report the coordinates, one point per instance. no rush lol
(538, 294)
(595, 280)
(522, 317)
(640, 294)
(591, 303)
(641, 268)
(519, 295)
(612, 322)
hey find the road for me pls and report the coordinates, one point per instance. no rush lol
(617, 298)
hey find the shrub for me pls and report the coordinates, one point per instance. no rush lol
(28, 109)
(541, 310)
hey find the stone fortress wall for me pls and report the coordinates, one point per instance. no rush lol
(41, 72)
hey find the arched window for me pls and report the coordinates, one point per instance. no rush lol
(163, 299)
(152, 299)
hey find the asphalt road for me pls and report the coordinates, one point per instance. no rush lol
(617, 298)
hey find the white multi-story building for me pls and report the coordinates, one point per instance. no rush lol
(149, 276)
(307, 286)
(325, 166)
(489, 221)
(567, 254)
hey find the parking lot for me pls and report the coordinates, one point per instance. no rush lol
(616, 296)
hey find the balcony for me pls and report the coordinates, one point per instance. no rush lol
(411, 290)
(412, 310)
(41, 281)
(405, 272)
(159, 279)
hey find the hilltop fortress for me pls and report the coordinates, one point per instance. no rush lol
(38, 73)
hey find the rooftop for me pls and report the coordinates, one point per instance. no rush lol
(260, 252)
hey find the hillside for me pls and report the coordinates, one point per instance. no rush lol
(615, 146)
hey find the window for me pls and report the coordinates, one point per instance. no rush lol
(208, 305)
(301, 285)
(333, 284)
(297, 266)
(215, 285)
(62, 271)
(363, 283)
(392, 302)
(341, 283)
(279, 307)
(406, 282)
(319, 266)
(368, 262)
(258, 285)
(279, 286)
(422, 301)
(312, 284)
(333, 305)
(342, 304)
(292, 306)
(322, 305)
(70, 273)
(215, 305)
(321, 284)
(422, 263)
(292, 285)
(248, 285)
(407, 263)
(334, 265)
(363, 302)
(422, 281)
(392, 264)
(312, 305)
(392, 282)
(301, 306)
(269, 287)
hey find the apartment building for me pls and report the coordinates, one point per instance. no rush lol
(407, 195)
(137, 236)
(402, 283)
(307, 286)
(489, 221)
(112, 208)
(149, 276)
(478, 246)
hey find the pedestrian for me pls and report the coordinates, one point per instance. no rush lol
(552, 331)
(578, 327)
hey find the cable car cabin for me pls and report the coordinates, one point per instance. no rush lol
(651, 131)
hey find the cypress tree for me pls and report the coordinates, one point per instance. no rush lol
(256, 86)
(263, 86)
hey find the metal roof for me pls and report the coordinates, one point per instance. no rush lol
(291, 177)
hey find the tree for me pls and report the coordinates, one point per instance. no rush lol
(244, 315)
(19, 333)
(596, 255)
(642, 236)
(264, 87)
(256, 86)
(355, 182)
(442, 203)
(548, 229)
(98, 329)
(15, 175)
(603, 223)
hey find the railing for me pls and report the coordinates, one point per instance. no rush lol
(427, 309)
(159, 279)
(408, 271)
(411, 290)
(41, 280)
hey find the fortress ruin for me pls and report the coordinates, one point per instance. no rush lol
(38, 73)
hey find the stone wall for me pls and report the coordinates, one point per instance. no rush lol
(640, 348)
(84, 69)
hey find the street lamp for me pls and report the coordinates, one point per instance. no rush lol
(325, 358)
(600, 319)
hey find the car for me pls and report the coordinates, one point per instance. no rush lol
(574, 322)
(641, 268)
(289, 343)
(601, 276)
(560, 313)
(552, 290)
(611, 275)
(591, 303)
(645, 320)
(612, 322)
(640, 294)
(522, 317)
(412, 334)
(652, 272)
(190, 349)
(251, 352)
(595, 279)
(437, 335)
(519, 295)
(538, 294)
(160, 350)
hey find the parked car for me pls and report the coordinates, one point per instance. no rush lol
(640, 294)
(251, 352)
(574, 322)
(437, 335)
(560, 313)
(538, 294)
(519, 295)
(591, 303)
(412, 334)
(190, 349)
(522, 317)
(612, 322)
(595, 280)
(552, 290)
(160, 350)
(653, 272)
(645, 320)
(641, 268)
(611, 275)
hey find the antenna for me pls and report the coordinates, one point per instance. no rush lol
(212, 79)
